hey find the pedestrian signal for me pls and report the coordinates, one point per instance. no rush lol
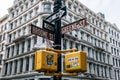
(76, 62)
(45, 61)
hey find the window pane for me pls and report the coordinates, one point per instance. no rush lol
(47, 7)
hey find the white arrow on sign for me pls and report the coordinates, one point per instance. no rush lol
(58, 14)
(61, 12)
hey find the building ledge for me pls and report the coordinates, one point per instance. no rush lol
(20, 38)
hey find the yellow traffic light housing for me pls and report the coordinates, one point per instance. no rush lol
(76, 62)
(45, 61)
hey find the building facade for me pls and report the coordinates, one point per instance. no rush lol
(114, 34)
(3, 36)
(94, 38)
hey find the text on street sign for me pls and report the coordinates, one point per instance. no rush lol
(73, 26)
(41, 32)
(48, 26)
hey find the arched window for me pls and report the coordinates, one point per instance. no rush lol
(47, 7)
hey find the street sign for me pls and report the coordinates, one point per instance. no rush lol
(74, 26)
(57, 15)
(41, 32)
(48, 26)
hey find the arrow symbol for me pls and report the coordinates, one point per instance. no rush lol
(61, 12)
(58, 14)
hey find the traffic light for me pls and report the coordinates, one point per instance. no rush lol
(76, 62)
(45, 61)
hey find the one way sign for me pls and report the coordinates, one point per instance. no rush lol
(57, 15)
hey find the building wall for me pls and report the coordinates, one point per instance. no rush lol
(115, 49)
(94, 38)
(3, 36)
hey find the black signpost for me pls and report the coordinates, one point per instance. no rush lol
(57, 6)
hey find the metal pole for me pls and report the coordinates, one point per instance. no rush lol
(57, 42)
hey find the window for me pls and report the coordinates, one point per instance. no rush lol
(12, 15)
(108, 57)
(100, 56)
(31, 14)
(17, 46)
(12, 50)
(89, 49)
(98, 70)
(76, 46)
(17, 12)
(113, 62)
(15, 23)
(69, 5)
(64, 44)
(106, 47)
(104, 57)
(70, 17)
(21, 64)
(1, 57)
(32, 2)
(112, 50)
(25, 17)
(33, 58)
(14, 36)
(110, 71)
(90, 68)
(24, 30)
(4, 36)
(20, 21)
(36, 10)
(15, 69)
(116, 62)
(71, 45)
(115, 51)
(9, 38)
(27, 63)
(105, 69)
(23, 43)
(35, 40)
(118, 36)
(93, 30)
(43, 40)
(47, 7)
(109, 30)
(115, 74)
(6, 66)
(83, 47)
(96, 55)
(2, 47)
(10, 67)
(21, 8)
(75, 9)
(8, 51)
(26, 5)
(29, 44)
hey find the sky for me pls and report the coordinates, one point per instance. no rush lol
(110, 8)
